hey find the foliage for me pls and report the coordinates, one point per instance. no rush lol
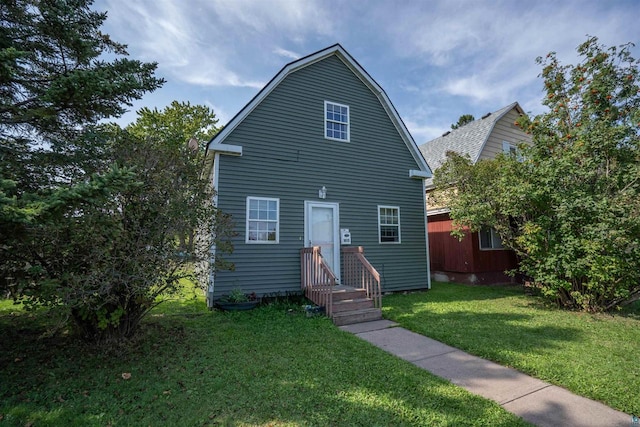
(463, 120)
(270, 366)
(132, 212)
(593, 355)
(571, 209)
(179, 124)
(54, 75)
(55, 83)
(237, 295)
(90, 214)
(176, 124)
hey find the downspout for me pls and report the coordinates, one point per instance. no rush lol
(426, 231)
(212, 258)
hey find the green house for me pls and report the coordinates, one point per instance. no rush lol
(320, 158)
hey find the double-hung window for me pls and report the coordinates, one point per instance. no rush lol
(336, 121)
(389, 224)
(489, 239)
(263, 220)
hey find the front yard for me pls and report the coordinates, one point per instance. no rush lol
(593, 355)
(190, 367)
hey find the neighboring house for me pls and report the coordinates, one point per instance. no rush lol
(479, 257)
(318, 157)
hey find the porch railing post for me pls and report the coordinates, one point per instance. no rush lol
(317, 279)
(360, 274)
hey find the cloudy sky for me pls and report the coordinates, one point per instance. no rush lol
(436, 59)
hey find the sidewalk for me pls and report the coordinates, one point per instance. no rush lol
(534, 400)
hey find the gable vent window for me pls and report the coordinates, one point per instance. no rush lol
(336, 121)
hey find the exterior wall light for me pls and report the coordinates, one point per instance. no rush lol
(322, 193)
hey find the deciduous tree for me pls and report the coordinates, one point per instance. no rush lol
(177, 125)
(571, 208)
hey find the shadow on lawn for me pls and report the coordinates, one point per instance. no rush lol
(260, 367)
(631, 311)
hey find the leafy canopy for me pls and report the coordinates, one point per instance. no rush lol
(571, 208)
(177, 123)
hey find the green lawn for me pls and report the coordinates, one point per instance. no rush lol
(192, 367)
(592, 355)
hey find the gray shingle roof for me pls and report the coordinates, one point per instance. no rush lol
(469, 139)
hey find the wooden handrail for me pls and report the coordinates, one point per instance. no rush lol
(360, 274)
(317, 279)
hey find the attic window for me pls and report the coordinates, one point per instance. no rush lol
(510, 149)
(336, 121)
(486, 115)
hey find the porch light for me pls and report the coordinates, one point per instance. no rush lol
(322, 193)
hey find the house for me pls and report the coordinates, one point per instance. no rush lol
(320, 158)
(479, 257)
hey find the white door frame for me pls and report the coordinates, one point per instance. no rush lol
(308, 206)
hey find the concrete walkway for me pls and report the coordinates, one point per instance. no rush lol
(536, 401)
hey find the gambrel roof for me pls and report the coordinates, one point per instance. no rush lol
(217, 143)
(469, 139)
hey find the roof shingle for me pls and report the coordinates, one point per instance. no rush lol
(468, 140)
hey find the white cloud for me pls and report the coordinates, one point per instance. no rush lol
(208, 43)
(422, 133)
(286, 53)
(470, 87)
(221, 113)
(280, 15)
(436, 59)
(486, 50)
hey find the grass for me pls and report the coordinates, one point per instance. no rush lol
(593, 355)
(190, 367)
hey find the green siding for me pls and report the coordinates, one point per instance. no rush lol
(286, 156)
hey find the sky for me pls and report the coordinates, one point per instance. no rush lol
(435, 59)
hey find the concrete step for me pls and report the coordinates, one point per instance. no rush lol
(352, 304)
(357, 316)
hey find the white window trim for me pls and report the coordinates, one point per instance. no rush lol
(506, 149)
(393, 225)
(494, 237)
(246, 228)
(348, 123)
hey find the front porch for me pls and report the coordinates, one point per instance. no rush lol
(357, 299)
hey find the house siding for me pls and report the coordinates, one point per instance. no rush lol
(464, 258)
(286, 156)
(504, 130)
(456, 260)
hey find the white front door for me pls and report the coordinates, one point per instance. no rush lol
(321, 222)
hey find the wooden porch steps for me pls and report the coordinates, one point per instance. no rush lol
(352, 306)
(357, 316)
(360, 302)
